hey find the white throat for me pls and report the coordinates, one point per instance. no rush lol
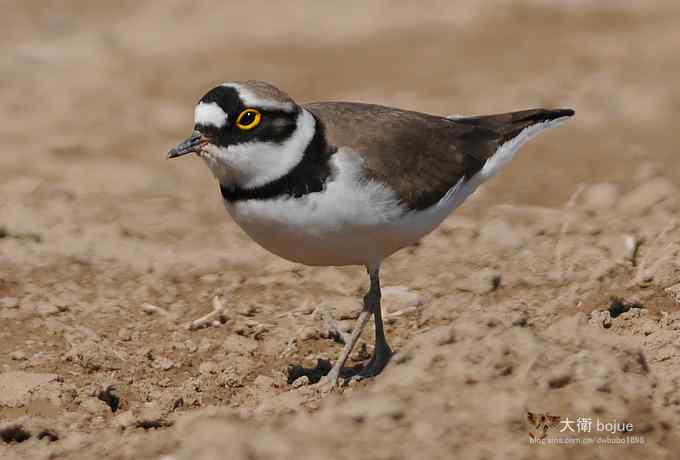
(253, 164)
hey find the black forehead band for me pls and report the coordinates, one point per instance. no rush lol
(225, 97)
(228, 99)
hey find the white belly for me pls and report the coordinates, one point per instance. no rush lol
(352, 222)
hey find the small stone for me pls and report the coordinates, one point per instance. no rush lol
(151, 309)
(396, 298)
(190, 346)
(163, 363)
(601, 318)
(205, 345)
(444, 335)
(9, 302)
(344, 307)
(309, 333)
(249, 310)
(481, 281)
(18, 356)
(95, 406)
(62, 304)
(301, 382)
(124, 335)
(306, 309)
(209, 279)
(151, 416)
(46, 309)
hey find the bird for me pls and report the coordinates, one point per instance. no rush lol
(338, 183)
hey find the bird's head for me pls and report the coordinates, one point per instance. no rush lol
(248, 133)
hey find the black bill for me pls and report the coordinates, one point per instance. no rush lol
(191, 145)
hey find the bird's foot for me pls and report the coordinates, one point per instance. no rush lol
(381, 356)
(329, 383)
(334, 379)
(214, 318)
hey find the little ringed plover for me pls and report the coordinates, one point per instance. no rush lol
(346, 183)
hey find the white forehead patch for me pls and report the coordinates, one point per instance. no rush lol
(249, 99)
(210, 114)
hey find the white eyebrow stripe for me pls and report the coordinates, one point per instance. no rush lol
(210, 114)
(251, 100)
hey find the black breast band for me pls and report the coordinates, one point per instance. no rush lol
(308, 176)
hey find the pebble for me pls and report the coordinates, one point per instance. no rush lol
(301, 381)
(204, 345)
(150, 416)
(151, 309)
(249, 310)
(124, 335)
(163, 363)
(209, 279)
(481, 281)
(344, 307)
(95, 406)
(601, 318)
(46, 309)
(397, 298)
(9, 302)
(310, 333)
(63, 303)
(190, 346)
(18, 356)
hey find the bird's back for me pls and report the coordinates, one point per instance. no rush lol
(418, 155)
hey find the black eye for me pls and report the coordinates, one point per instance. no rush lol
(248, 119)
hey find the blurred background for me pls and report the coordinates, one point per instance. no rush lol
(489, 314)
(85, 82)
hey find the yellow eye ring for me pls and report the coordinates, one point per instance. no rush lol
(248, 119)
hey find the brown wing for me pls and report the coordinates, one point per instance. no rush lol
(418, 155)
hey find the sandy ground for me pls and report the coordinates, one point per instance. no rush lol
(108, 251)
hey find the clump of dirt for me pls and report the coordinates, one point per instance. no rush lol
(619, 306)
